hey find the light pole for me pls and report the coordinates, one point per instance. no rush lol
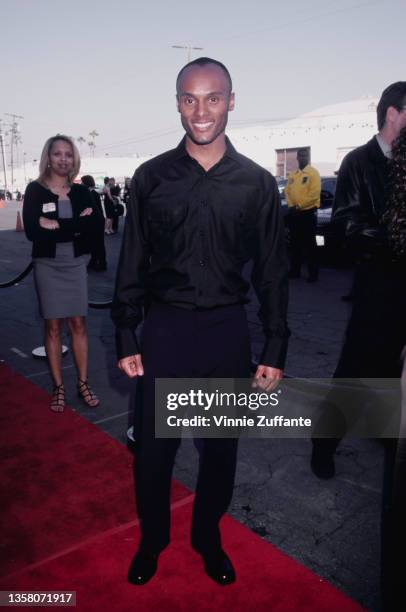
(3, 153)
(189, 49)
(25, 172)
(14, 133)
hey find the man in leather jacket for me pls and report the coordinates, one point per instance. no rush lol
(376, 332)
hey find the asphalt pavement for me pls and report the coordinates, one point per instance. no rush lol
(332, 527)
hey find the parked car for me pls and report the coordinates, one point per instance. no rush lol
(328, 234)
(281, 186)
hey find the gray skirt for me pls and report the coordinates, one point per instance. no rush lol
(61, 283)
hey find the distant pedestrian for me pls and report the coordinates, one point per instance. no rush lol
(59, 220)
(126, 193)
(303, 197)
(98, 250)
(115, 191)
(108, 206)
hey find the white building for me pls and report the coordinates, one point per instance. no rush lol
(98, 167)
(330, 132)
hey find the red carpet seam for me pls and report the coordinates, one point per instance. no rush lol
(95, 538)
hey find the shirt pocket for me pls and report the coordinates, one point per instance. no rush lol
(236, 231)
(166, 223)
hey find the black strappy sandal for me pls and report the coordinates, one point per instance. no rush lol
(86, 394)
(58, 398)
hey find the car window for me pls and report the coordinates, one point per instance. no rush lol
(329, 185)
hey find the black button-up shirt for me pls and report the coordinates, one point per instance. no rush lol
(187, 236)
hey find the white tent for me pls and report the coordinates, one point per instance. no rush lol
(330, 131)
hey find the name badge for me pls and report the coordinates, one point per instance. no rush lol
(49, 207)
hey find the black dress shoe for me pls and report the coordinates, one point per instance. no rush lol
(219, 568)
(322, 463)
(143, 567)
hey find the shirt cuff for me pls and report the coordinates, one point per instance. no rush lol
(126, 342)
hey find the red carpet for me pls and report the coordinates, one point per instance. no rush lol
(68, 513)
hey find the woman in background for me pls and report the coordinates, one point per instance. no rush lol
(58, 219)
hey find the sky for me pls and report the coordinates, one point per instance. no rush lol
(77, 66)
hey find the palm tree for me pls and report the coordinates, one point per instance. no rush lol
(92, 143)
(81, 141)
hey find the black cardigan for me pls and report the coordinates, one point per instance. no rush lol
(78, 230)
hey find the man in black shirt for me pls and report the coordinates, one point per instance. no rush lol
(197, 214)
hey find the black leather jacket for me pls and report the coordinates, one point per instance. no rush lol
(360, 199)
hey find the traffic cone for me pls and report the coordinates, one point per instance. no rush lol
(19, 224)
(2, 204)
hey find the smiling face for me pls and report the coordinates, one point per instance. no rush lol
(61, 158)
(204, 101)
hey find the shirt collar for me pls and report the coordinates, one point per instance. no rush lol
(231, 152)
(385, 147)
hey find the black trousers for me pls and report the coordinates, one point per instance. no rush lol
(303, 247)
(98, 249)
(187, 344)
(374, 339)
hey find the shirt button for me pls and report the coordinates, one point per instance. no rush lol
(201, 262)
(201, 232)
(200, 292)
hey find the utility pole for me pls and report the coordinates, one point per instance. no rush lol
(3, 153)
(15, 128)
(25, 172)
(189, 49)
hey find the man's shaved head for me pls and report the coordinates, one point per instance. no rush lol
(200, 62)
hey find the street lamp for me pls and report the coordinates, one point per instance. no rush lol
(189, 49)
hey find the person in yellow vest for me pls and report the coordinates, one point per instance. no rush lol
(303, 198)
